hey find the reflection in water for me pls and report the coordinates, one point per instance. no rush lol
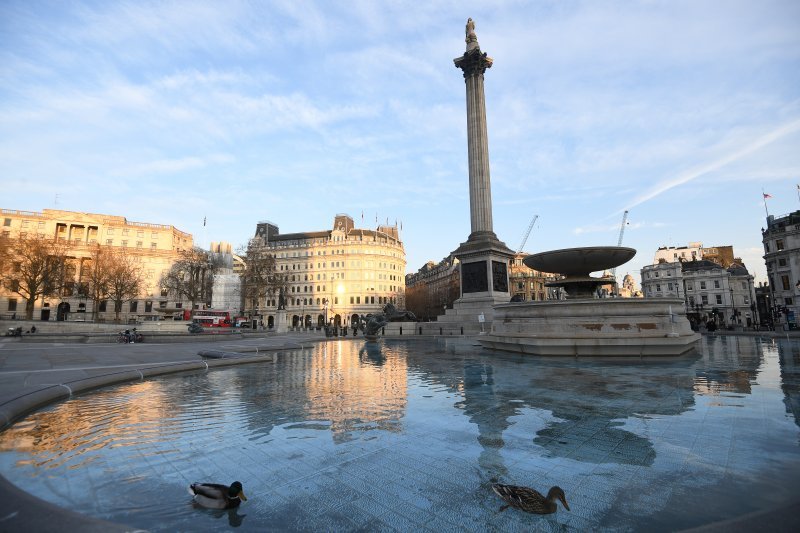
(789, 354)
(349, 435)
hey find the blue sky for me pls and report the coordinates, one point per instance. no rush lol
(293, 111)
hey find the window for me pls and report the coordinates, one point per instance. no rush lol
(744, 285)
(124, 244)
(125, 231)
(148, 306)
(103, 305)
(689, 287)
(785, 282)
(782, 262)
(787, 301)
(779, 245)
(12, 304)
(138, 244)
(658, 287)
(704, 299)
(669, 286)
(702, 285)
(716, 284)
(134, 306)
(7, 222)
(178, 305)
(162, 305)
(719, 299)
(109, 232)
(109, 242)
(140, 234)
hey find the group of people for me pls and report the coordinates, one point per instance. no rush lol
(17, 332)
(129, 336)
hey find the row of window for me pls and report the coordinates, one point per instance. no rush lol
(103, 305)
(354, 300)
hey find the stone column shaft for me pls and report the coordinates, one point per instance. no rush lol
(480, 191)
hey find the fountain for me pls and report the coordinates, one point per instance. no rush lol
(583, 325)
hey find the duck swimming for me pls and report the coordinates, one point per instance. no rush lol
(215, 496)
(529, 500)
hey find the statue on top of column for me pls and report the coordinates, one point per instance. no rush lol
(471, 39)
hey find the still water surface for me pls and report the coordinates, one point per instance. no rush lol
(410, 436)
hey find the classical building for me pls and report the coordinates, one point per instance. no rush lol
(526, 284)
(334, 274)
(781, 240)
(433, 288)
(709, 291)
(154, 246)
(629, 288)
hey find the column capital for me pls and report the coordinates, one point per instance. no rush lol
(473, 62)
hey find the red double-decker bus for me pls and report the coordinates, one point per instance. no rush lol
(209, 318)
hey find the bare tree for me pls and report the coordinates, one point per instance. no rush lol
(191, 276)
(32, 266)
(260, 278)
(98, 276)
(124, 279)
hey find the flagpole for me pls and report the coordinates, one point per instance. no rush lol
(798, 193)
(764, 195)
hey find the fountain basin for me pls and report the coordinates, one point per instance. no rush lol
(608, 327)
(580, 261)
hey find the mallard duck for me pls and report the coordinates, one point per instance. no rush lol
(529, 500)
(215, 496)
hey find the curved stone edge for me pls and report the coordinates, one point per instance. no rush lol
(656, 347)
(21, 511)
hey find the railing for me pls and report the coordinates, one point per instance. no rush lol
(23, 213)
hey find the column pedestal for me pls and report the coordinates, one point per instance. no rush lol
(281, 321)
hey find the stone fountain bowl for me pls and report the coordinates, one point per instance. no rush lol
(580, 261)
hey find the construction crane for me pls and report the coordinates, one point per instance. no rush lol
(528, 232)
(622, 227)
(619, 243)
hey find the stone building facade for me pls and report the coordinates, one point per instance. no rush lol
(334, 275)
(709, 291)
(781, 240)
(526, 284)
(155, 247)
(433, 288)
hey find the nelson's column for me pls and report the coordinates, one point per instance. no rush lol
(484, 259)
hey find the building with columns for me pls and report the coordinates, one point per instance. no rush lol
(335, 274)
(155, 247)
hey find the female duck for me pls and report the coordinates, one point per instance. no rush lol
(215, 496)
(529, 500)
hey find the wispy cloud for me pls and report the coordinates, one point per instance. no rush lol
(716, 164)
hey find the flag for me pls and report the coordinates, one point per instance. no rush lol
(767, 195)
